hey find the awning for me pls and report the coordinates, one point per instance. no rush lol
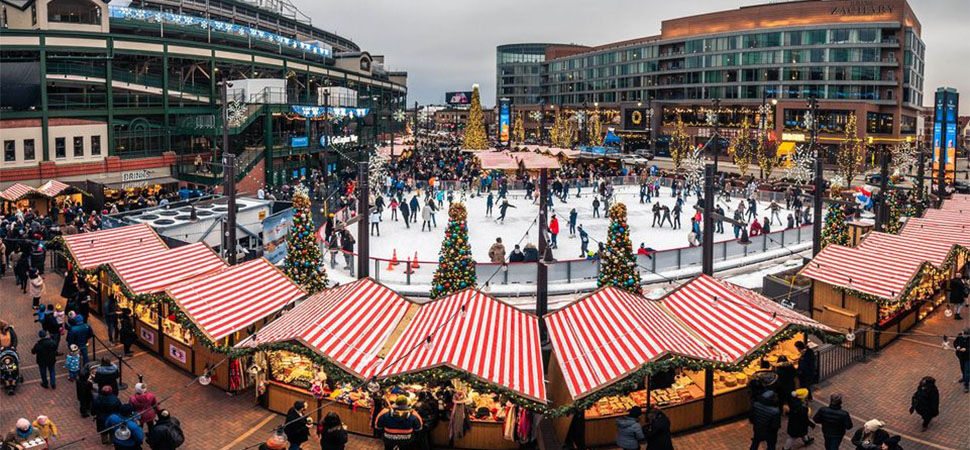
(606, 336)
(149, 272)
(954, 233)
(927, 248)
(230, 299)
(869, 271)
(93, 249)
(54, 188)
(488, 339)
(348, 325)
(18, 191)
(120, 185)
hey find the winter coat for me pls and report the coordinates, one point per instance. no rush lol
(161, 435)
(657, 433)
(35, 287)
(107, 376)
(806, 368)
(628, 433)
(296, 429)
(46, 351)
(144, 404)
(8, 338)
(105, 405)
(133, 441)
(835, 422)
(531, 253)
(516, 256)
(765, 419)
(798, 421)
(554, 226)
(871, 442)
(46, 431)
(957, 293)
(333, 439)
(926, 402)
(496, 253)
(80, 332)
(426, 213)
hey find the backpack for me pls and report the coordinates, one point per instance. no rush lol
(175, 433)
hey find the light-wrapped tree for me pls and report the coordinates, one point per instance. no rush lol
(456, 267)
(618, 264)
(303, 260)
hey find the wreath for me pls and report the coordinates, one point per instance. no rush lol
(636, 117)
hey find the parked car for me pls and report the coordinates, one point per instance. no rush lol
(961, 187)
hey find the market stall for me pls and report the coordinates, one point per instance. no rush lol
(481, 354)
(210, 313)
(22, 196)
(90, 252)
(886, 284)
(140, 278)
(18, 196)
(325, 347)
(691, 353)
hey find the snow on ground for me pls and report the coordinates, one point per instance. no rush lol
(483, 230)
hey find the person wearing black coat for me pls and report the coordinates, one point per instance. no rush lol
(46, 351)
(786, 380)
(105, 405)
(870, 436)
(427, 409)
(807, 363)
(127, 330)
(835, 422)
(166, 434)
(297, 428)
(765, 420)
(798, 420)
(84, 387)
(333, 433)
(657, 431)
(926, 401)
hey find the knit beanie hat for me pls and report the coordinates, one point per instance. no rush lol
(42, 420)
(140, 388)
(873, 425)
(800, 394)
(23, 424)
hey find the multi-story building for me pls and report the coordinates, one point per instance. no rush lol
(857, 57)
(91, 91)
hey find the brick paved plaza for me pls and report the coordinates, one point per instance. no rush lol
(879, 388)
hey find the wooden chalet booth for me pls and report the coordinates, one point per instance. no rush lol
(20, 195)
(325, 349)
(90, 253)
(218, 309)
(690, 354)
(886, 284)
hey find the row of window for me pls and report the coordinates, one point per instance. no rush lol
(60, 148)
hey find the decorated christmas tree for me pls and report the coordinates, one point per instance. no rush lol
(474, 137)
(835, 230)
(897, 209)
(456, 268)
(741, 149)
(518, 131)
(618, 265)
(303, 261)
(680, 144)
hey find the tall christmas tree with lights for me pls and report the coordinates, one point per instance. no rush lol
(898, 207)
(618, 264)
(518, 131)
(474, 137)
(835, 230)
(303, 261)
(456, 268)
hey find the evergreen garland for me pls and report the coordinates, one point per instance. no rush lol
(618, 264)
(303, 263)
(456, 268)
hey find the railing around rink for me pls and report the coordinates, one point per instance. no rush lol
(566, 271)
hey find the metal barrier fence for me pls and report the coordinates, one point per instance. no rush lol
(578, 270)
(833, 358)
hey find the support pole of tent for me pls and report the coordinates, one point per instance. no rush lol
(882, 214)
(542, 272)
(229, 188)
(363, 200)
(707, 257)
(708, 396)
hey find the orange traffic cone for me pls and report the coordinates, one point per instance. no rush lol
(414, 264)
(391, 263)
(394, 260)
(408, 269)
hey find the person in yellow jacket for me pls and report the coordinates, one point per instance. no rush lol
(46, 428)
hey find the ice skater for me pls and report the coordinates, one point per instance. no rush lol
(596, 207)
(676, 222)
(426, 217)
(489, 202)
(554, 231)
(666, 216)
(573, 215)
(503, 209)
(775, 212)
(656, 215)
(583, 242)
(375, 222)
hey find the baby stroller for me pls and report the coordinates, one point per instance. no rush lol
(10, 370)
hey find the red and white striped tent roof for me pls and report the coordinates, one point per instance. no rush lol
(348, 325)
(489, 340)
(954, 215)
(870, 270)
(53, 188)
(93, 249)
(17, 191)
(606, 336)
(149, 272)
(929, 248)
(229, 299)
(955, 233)
(733, 320)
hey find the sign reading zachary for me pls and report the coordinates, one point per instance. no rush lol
(861, 8)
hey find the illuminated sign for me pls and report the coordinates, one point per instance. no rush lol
(944, 139)
(458, 98)
(504, 120)
(793, 137)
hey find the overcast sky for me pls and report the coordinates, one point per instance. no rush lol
(447, 45)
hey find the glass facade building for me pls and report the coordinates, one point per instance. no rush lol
(518, 73)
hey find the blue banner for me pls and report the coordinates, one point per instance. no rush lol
(504, 121)
(275, 228)
(299, 141)
(313, 112)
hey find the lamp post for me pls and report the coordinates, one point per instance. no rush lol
(714, 120)
(812, 119)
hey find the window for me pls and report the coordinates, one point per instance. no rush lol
(9, 151)
(879, 123)
(33, 14)
(74, 11)
(78, 146)
(29, 152)
(60, 147)
(868, 35)
(95, 145)
(907, 125)
(840, 36)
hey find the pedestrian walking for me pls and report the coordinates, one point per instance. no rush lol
(765, 420)
(958, 294)
(926, 401)
(45, 351)
(333, 433)
(35, 287)
(962, 347)
(871, 436)
(144, 403)
(629, 433)
(835, 422)
(798, 420)
(297, 428)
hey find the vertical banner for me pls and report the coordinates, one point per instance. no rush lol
(945, 132)
(504, 121)
(275, 228)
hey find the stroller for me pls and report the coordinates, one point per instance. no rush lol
(10, 370)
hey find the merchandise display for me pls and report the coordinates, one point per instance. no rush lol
(685, 388)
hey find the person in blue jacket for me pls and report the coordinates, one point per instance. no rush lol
(125, 432)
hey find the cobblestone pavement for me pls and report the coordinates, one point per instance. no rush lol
(878, 388)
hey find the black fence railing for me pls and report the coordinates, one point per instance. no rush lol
(834, 358)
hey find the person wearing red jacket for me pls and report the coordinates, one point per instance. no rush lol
(554, 230)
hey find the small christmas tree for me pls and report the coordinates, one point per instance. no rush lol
(741, 149)
(474, 136)
(456, 268)
(680, 144)
(618, 264)
(303, 261)
(897, 209)
(835, 231)
(518, 131)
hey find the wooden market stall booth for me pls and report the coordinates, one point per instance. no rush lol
(323, 349)
(467, 345)
(22, 196)
(690, 353)
(888, 283)
(90, 253)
